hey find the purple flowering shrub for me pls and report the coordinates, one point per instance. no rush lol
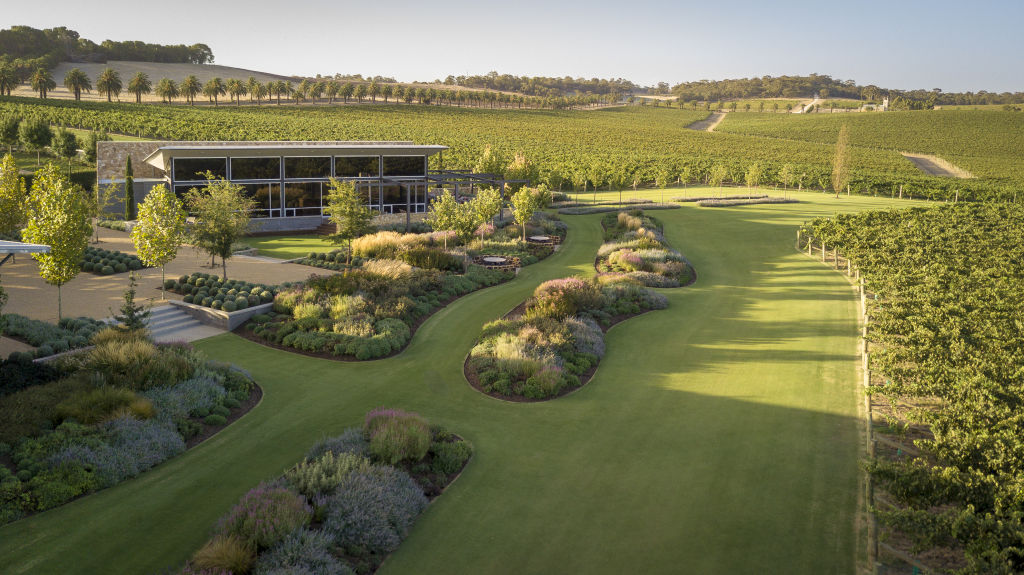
(302, 551)
(266, 515)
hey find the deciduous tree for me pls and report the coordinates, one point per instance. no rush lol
(444, 215)
(346, 210)
(9, 131)
(524, 204)
(484, 207)
(35, 134)
(221, 216)
(65, 146)
(57, 216)
(160, 230)
(12, 196)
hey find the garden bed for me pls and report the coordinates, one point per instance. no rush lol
(208, 290)
(90, 421)
(635, 247)
(551, 345)
(344, 508)
(108, 262)
(618, 208)
(722, 203)
(49, 339)
(397, 282)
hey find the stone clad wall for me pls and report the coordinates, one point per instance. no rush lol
(112, 156)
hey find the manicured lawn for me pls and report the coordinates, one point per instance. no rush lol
(289, 247)
(718, 436)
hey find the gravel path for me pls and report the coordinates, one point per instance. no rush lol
(936, 166)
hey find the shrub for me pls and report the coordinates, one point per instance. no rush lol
(100, 404)
(449, 456)
(373, 510)
(350, 441)
(396, 435)
(215, 419)
(565, 297)
(587, 336)
(228, 306)
(58, 485)
(131, 447)
(302, 551)
(307, 311)
(27, 412)
(265, 515)
(19, 372)
(320, 476)
(226, 553)
(432, 258)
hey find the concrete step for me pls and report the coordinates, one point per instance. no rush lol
(169, 323)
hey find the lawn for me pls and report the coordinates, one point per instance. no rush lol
(289, 247)
(720, 435)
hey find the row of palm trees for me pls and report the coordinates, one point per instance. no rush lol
(308, 90)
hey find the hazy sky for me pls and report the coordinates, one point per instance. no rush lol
(955, 46)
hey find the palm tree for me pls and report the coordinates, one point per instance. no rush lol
(213, 89)
(398, 91)
(386, 91)
(139, 85)
(317, 90)
(302, 90)
(42, 82)
(252, 86)
(190, 88)
(109, 82)
(76, 81)
(374, 90)
(260, 92)
(236, 88)
(167, 90)
(347, 90)
(332, 91)
(8, 79)
(360, 92)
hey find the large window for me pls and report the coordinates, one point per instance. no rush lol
(182, 192)
(397, 166)
(255, 168)
(267, 197)
(303, 168)
(194, 169)
(393, 198)
(302, 198)
(357, 166)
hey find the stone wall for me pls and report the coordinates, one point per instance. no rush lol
(112, 156)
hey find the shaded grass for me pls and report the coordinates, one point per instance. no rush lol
(719, 435)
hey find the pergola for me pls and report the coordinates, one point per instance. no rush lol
(12, 248)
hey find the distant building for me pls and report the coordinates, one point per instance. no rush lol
(288, 180)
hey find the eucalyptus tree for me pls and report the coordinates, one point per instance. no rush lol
(76, 81)
(109, 82)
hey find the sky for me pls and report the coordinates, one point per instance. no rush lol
(907, 44)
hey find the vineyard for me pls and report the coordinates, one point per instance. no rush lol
(989, 144)
(609, 148)
(946, 362)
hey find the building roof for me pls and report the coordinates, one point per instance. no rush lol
(8, 247)
(160, 158)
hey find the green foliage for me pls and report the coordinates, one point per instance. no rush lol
(321, 475)
(222, 216)
(449, 456)
(58, 216)
(524, 204)
(347, 211)
(103, 403)
(397, 435)
(12, 196)
(35, 134)
(133, 317)
(160, 230)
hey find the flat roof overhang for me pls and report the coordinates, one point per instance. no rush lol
(10, 248)
(160, 158)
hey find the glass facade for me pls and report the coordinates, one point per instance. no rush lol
(399, 166)
(296, 186)
(307, 168)
(357, 166)
(255, 168)
(194, 169)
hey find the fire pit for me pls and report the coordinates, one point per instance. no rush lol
(495, 260)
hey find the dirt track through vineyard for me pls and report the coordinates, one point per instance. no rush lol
(936, 166)
(708, 124)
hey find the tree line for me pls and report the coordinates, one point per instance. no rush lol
(543, 86)
(26, 49)
(824, 86)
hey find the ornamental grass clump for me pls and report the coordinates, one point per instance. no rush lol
(566, 297)
(396, 435)
(265, 516)
(224, 554)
